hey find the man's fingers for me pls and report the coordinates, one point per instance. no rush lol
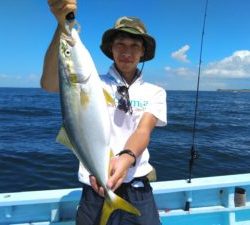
(117, 184)
(101, 191)
(60, 8)
(115, 180)
(94, 184)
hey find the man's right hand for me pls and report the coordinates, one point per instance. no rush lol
(60, 8)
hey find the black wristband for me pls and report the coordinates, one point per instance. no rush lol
(129, 152)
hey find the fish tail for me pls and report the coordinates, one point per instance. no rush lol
(113, 202)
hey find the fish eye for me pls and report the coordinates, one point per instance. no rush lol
(67, 52)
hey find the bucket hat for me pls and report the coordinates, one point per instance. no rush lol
(133, 26)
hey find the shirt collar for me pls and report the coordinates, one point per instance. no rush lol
(118, 79)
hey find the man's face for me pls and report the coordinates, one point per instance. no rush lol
(127, 53)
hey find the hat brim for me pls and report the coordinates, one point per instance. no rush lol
(148, 41)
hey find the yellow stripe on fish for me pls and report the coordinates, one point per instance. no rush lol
(84, 98)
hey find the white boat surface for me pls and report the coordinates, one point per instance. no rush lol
(204, 201)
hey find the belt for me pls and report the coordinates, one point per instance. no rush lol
(137, 182)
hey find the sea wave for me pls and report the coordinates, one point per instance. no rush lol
(30, 158)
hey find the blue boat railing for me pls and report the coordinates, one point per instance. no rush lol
(205, 201)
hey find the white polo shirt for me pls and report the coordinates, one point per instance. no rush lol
(144, 97)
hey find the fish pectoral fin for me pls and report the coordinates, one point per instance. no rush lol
(108, 98)
(63, 138)
(114, 202)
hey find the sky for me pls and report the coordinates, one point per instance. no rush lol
(27, 27)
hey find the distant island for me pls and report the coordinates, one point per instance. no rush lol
(234, 90)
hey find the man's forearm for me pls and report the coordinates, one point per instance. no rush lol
(139, 140)
(49, 79)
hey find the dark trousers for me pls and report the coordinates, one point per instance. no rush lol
(90, 206)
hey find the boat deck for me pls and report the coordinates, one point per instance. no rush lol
(206, 201)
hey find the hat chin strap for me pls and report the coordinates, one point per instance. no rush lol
(140, 71)
(136, 75)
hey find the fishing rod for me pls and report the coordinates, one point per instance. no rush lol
(193, 151)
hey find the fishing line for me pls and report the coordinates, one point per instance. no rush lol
(193, 151)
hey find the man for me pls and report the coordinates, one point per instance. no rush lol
(140, 107)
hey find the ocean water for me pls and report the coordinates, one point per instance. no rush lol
(30, 159)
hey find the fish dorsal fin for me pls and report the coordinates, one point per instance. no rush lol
(63, 138)
(108, 98)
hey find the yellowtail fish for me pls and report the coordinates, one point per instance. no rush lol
(86, 122)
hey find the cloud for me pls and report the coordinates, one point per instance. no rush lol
(180, 54)
(33, 77)
(3, 76)
(31, 80)
(236, 66)
(180, 71)
(206, 84)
